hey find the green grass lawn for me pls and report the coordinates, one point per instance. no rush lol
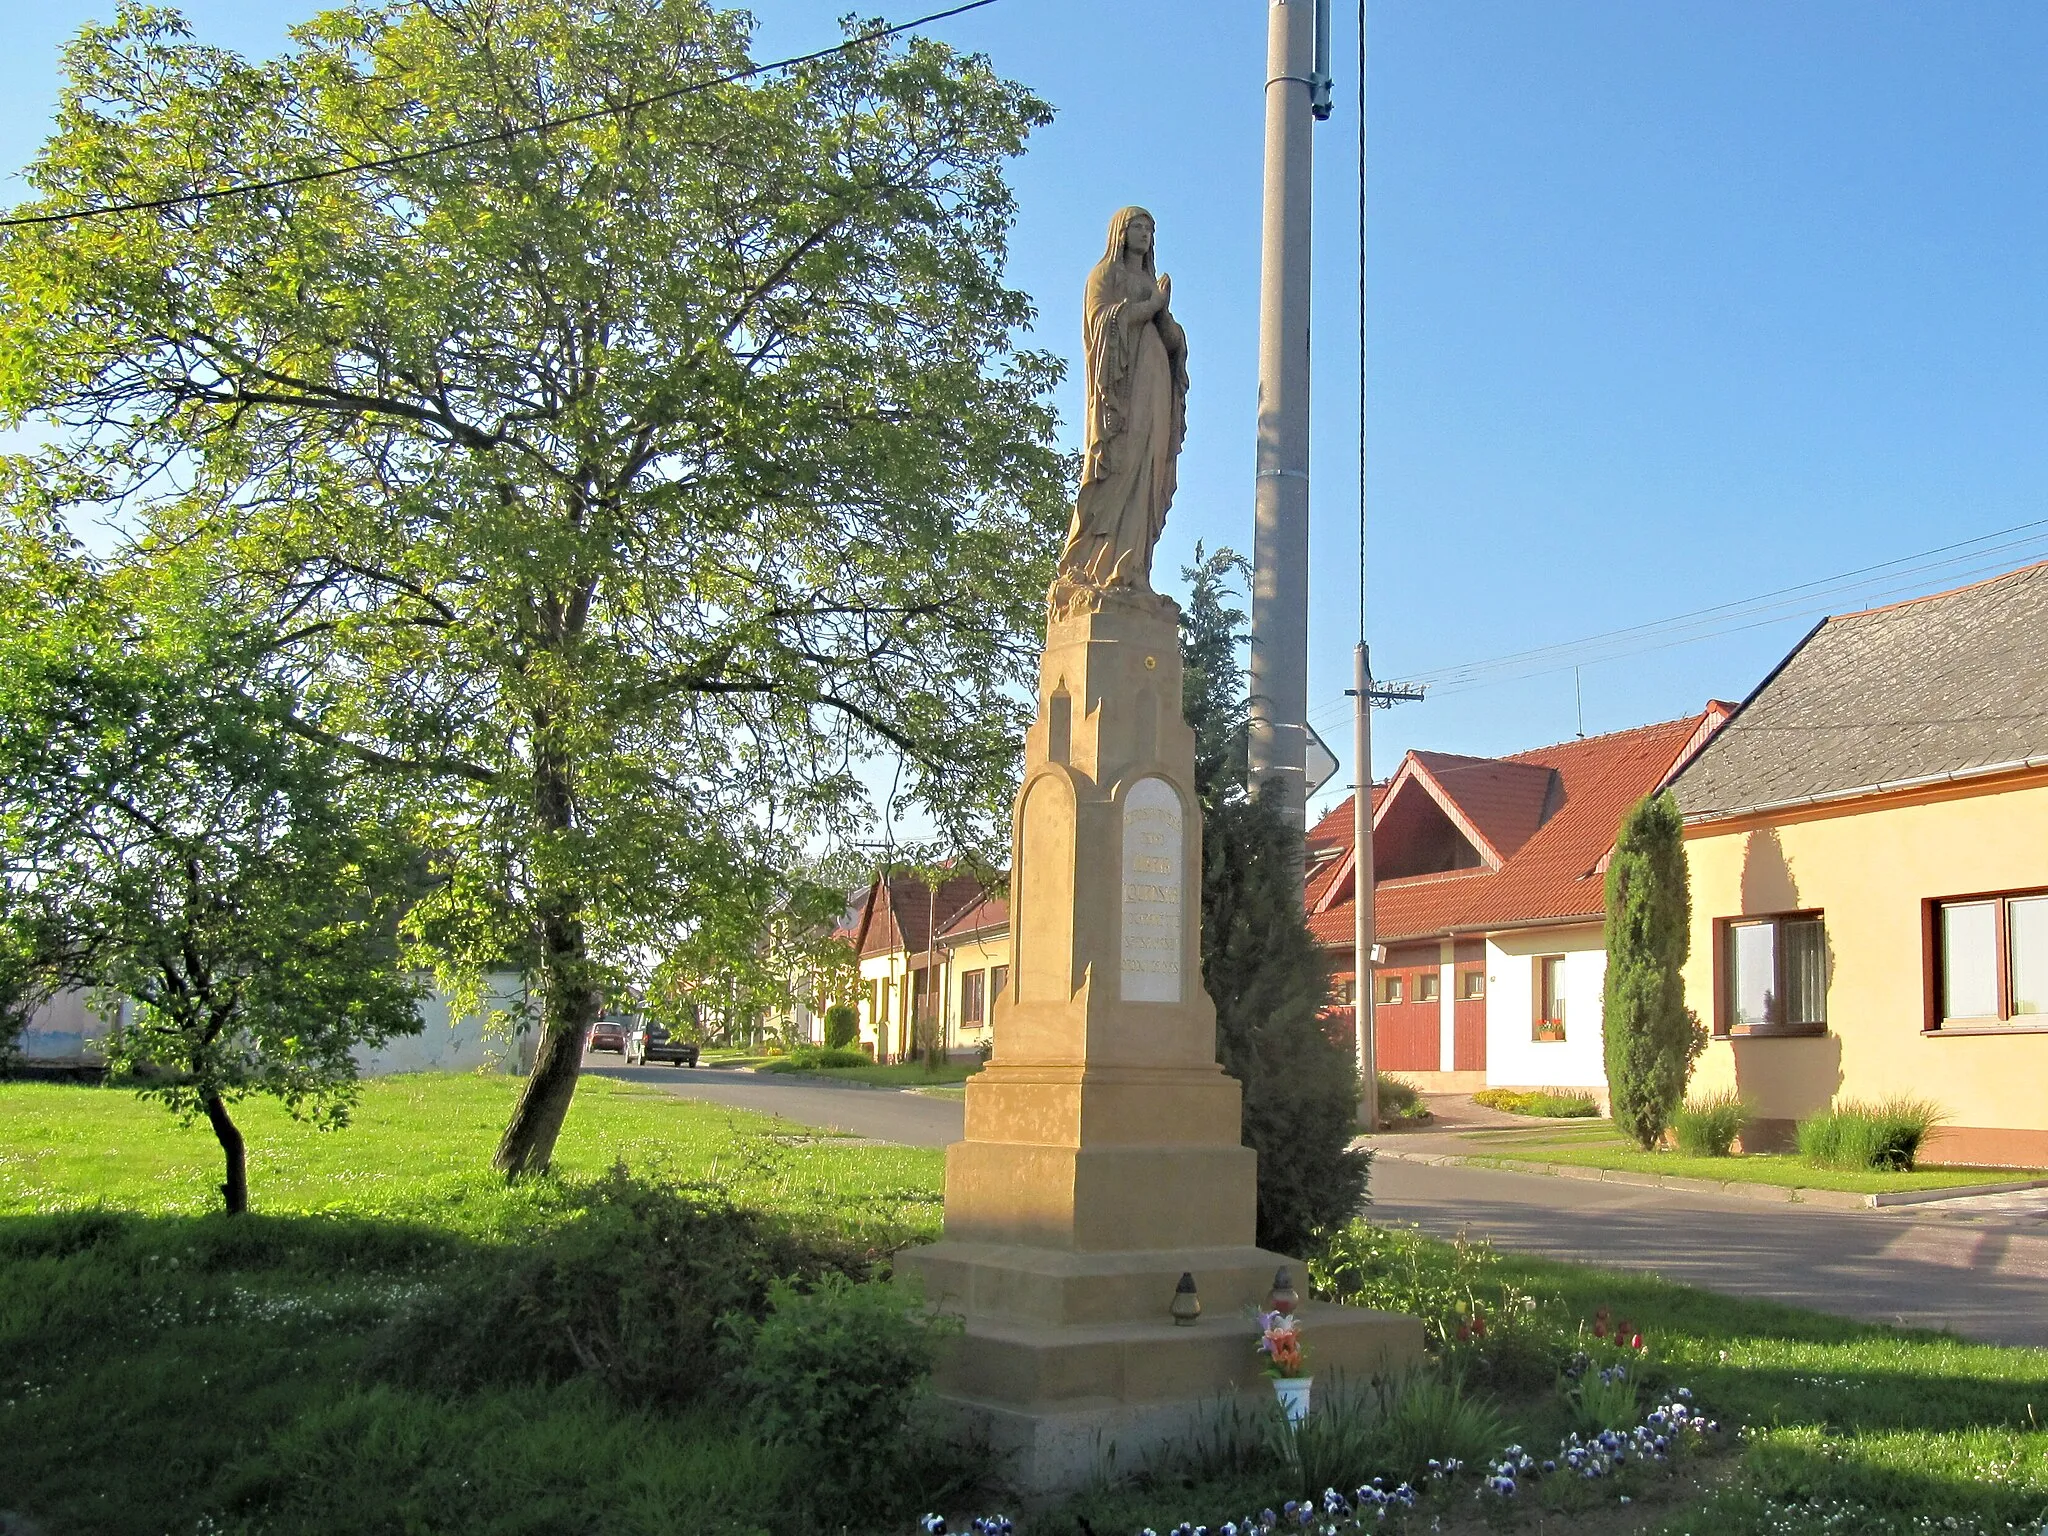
(167, 1369)
(164, 1368)
(903, 1074)
(1599, 1145)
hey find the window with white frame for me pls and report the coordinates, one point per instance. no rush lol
(1991, 960)
(1774, 975)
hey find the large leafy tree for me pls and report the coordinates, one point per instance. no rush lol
(162, 843)
(1652, 1038)
(1265, 972)
(613, 490)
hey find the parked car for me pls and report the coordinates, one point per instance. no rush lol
(652, 1042)
(609, 1034)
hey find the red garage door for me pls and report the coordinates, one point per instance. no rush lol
(1408, 1014)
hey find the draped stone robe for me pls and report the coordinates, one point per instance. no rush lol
(1137, 384)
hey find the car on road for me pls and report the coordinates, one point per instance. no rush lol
(652, 1042)
(609, 1034)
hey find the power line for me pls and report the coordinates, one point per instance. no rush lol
(499, 136)
(1750, 604)
(1913, 587)
(1896, 576)
(1726, 617)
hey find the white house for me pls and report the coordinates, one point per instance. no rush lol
(1489, 903)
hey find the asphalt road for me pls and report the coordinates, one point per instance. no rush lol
(1984, 1276)
(878, 1114)
(1978, 1268)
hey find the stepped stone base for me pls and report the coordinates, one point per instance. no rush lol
(1071, 1368)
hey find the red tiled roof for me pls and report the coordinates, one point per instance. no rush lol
(1503, 799)
(985, 916)
(1552, 872)
(903, 910)
(1331, 839)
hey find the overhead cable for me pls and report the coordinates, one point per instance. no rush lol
(497, 136)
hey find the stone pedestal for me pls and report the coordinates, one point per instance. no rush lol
(1103, 1155)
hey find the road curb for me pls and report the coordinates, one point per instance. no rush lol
(1770, 1194)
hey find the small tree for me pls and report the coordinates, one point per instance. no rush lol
(1268, 977)
(842, 1026)
(1652, 1038)
(162, 842)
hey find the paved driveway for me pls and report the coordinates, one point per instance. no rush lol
(1982, 1272)
(879, 1114)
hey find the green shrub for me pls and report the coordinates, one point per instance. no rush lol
(812, 1058)
(1551, 1103)
(837, 1371)
(1707, 1126)
(629, 1293)
(1400, 1101)
(1883, 1136)
(1269, 978)
(842, 1027)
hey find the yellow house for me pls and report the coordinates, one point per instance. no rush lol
(1867, 840)
(975, 950)
(904, 996)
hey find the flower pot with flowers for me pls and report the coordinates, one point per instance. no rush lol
(1280, 1343)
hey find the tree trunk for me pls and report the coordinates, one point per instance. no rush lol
(236, 1190)
(571, 1005)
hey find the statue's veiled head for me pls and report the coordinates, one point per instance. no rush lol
(1122, 225)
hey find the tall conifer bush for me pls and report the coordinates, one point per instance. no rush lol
(1269, 979)
(1652, 1038)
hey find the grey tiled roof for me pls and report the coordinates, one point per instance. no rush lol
(1941, 686)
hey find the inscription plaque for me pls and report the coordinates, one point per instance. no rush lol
(1154, 893)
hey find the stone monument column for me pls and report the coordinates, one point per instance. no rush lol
(1103, 1156)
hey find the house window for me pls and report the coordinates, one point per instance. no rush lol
(1427, 986)
(998, 978)
(1549, 1024)
(1991, 959)
(1775, 976)
(1472, 985)
(971, 984)
(1391, 990)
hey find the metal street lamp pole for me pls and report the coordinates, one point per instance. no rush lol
(1297, 95)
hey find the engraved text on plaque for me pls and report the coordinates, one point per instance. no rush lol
(1154, 893)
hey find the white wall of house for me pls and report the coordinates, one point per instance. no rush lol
(889, 969)
(473, 1043)
(64, 1029)
(1514, 1057)
(1446, 1024)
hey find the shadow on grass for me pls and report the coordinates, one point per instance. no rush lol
(334, 1373)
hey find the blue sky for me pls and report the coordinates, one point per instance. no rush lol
(1672, 305)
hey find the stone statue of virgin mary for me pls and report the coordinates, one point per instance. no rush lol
(1137, 391)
